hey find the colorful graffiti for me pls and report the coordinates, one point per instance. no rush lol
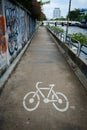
(16, 27)
(12, 27)
(3, 43)
(22, 25)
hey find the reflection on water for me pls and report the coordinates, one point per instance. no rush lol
(72, 29)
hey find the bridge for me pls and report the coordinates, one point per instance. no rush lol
(43, 62)
(64, 22)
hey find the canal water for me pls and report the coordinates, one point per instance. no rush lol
(74, 29)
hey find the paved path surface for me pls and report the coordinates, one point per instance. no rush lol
(43, 62)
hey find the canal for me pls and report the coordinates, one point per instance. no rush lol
(74, 29)
(71, 30)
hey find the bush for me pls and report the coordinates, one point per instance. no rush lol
(80, 37)
(55, 28)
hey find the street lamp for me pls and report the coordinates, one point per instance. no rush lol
(68, 19)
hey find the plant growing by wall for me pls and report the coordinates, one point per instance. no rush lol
(80, 37)
(56, 28)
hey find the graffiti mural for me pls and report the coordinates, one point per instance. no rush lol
(3, 46)
(17, 26)
(12, 27)
(22, 26)
(3, 43)
(28, 26)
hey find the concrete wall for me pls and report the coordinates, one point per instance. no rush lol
(16, 27)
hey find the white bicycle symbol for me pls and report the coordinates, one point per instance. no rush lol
(32, 99)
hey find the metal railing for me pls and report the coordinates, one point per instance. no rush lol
(79, 49)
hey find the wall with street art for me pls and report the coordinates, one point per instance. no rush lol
(16, 23)
(16, 27)
(3, 43)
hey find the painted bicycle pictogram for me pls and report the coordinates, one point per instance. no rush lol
(31, 100)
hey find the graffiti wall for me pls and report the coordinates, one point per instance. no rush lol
(11, 14)
(16, 27)
(22, 26)
(3, 43)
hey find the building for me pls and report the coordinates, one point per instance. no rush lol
(83, 11)
(56, 13)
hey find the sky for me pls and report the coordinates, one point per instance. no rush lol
(63, 5)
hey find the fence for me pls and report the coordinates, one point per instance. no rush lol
(75, 50)
(79, 49)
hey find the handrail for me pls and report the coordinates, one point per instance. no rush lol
(79, 47)
(70, 42)
(83, 45)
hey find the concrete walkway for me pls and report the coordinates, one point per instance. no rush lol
(43, 62)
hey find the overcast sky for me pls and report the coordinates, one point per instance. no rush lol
(63, 5)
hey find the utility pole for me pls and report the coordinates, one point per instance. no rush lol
(68, 19)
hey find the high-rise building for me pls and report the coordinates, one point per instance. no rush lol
(56, 13)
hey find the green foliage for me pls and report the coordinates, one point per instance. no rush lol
(62, 18)
(80, 37)
(55, 28)
(84, 16)
(74, 14)
(48, 25)
(33, 6)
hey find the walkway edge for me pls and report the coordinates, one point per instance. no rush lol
(12, 66)
(72, 65)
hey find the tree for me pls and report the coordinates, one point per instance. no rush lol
(74, 14)
(34, 7)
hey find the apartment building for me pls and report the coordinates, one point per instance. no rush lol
(56, 13)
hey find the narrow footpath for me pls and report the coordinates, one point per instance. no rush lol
(43, 66)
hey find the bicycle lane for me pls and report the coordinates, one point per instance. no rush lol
(42, 62)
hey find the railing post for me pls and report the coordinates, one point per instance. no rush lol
(68, 19)
(70, 44)
(79, 49)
